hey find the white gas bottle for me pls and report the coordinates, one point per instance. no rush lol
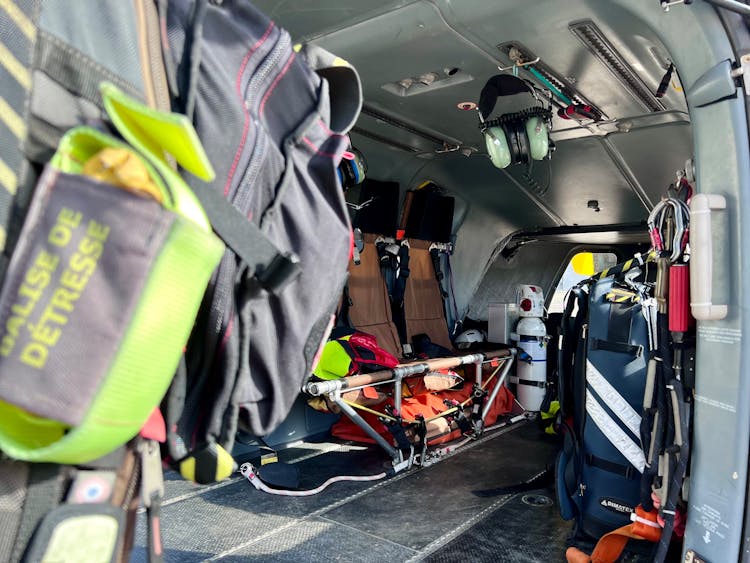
(531, 335)
(530, 301)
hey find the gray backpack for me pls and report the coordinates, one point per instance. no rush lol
(274, 130)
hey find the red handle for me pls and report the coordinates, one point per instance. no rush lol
(679, 298)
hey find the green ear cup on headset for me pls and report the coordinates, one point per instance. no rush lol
(497, 146)
(538, 136)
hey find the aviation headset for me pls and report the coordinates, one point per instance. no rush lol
(516, 137)
(352, 169)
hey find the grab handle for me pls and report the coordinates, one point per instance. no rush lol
(701, 257)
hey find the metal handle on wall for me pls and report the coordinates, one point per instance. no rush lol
(701, 257)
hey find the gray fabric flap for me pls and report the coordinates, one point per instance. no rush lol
(75, 277)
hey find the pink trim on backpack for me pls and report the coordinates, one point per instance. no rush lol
(246, 126)
(275, 83)
(318, 151)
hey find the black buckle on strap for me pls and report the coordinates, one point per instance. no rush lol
(281, 270)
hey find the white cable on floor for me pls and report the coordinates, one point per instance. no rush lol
(248, 471)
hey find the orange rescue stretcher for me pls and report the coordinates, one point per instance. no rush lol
(404, 454)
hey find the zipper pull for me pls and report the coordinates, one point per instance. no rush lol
(152, 491)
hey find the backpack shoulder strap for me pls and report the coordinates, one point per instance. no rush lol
(271, 267)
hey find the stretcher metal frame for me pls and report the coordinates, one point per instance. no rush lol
(395, 376)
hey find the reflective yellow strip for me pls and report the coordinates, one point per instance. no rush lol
(8, 178)
(12, 120)
(19, 18)
(3, 237)
(14, 67)
(268, 458)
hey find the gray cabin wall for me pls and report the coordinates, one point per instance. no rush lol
(535, 264)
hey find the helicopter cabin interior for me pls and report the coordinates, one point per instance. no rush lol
(505, 152)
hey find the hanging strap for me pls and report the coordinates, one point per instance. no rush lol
(394, 265)
(342, 316)
(435, 255)
(570, 328)
(457, 323)
(618, 347)
(627, 471)
(678, 457)
(388, 256)
(400, 287)
(271, 267)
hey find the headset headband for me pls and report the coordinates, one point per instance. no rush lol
(501, 85)
(516, 117)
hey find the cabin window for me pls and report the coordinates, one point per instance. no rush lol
(580, 267)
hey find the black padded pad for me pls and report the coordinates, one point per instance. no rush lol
(380, 216)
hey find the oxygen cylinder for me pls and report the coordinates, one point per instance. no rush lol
(531, 367)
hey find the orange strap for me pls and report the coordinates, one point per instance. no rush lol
(607, 550)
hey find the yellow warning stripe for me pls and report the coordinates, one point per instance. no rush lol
(12, 120)
(8, 178)
(19, 18)
(14, 67)
(620, 296)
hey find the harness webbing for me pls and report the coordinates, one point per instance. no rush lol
(394, 265)
(441, 254)
(435, 256)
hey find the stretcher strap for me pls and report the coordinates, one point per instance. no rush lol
(435, 417)
(373, 411)
(607, 550)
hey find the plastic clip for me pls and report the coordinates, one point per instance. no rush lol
(282, 269)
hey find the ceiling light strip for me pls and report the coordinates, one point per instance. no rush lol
(595, 41)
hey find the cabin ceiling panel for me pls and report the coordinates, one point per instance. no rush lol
(654, 155)
(583, 172)
(392, 41)
(307, 19)
(485, 187)
(395, 40)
